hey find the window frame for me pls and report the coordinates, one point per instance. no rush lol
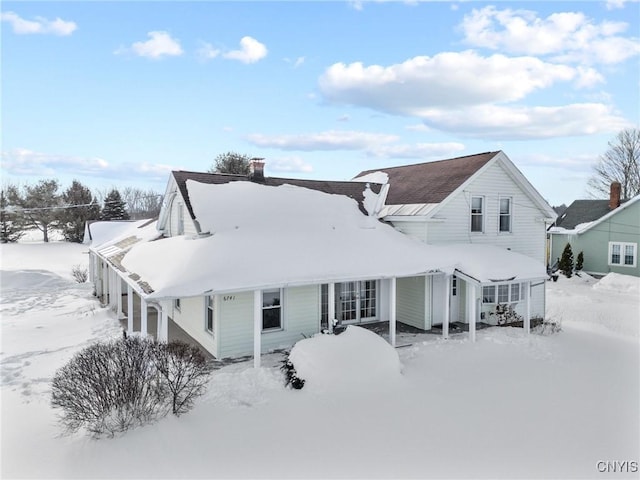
(279, 307)
(473, 214)
(495, 296)
(209, 314)
(508, 215)
(622, 255)
(176, 304)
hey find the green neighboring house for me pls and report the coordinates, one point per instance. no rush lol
(606, 231)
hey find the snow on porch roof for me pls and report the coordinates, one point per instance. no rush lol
(277, 236)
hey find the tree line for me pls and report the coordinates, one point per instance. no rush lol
(45, 207)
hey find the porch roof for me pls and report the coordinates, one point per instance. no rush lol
(268, 236)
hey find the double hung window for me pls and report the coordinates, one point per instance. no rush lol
(272, 309)
(504, 219)
(477, 214)
(623, 254)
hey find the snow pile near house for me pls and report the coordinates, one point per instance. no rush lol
(619, 283)
(356, 359)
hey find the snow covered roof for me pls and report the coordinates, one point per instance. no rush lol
(266, 236)
(108, 232)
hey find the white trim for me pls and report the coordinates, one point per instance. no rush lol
(210, 306)
(623, 246)
(392, 311)
(280, 307)
(257, 327)
(483, 211)
(510, 215)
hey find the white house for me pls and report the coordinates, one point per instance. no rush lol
(250, 264)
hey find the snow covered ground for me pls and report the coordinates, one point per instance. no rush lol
(507, 406)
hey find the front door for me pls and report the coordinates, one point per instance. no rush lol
(356, 302)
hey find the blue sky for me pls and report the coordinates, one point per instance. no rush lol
(120, 93)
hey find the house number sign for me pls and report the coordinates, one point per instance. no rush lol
(228, 298)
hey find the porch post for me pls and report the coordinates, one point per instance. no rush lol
(257, 327)
(129, 309)
(473, 313)
(104, 293)
(112, 293)
(445, 320)
(143, 317)
(392, 312)
(162, 332)
(119, 313)
(527, 312)
(331, 310)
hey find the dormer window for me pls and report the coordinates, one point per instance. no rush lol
(477, 214)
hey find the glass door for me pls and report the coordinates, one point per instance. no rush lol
(356, 301)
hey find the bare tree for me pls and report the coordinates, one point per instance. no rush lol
(141, 203)
(620, 163)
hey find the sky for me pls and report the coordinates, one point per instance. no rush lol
(121, 93)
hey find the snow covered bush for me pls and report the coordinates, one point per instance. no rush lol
(185, 372)
(110, 387)
(579, 261)
(291, 376)
(80, 273)
(546, 326)
(566, 261)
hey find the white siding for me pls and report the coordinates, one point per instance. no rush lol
(417, 230)
(528, 232)
(301, 310)
(410, 304)
(192, 319)
(173, 217)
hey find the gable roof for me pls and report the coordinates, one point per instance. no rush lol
(430, 182)
(582, 211)
(351, 189)
(596, 221)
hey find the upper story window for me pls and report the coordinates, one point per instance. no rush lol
(272, 309)
(504, 220)
(180, 219)
(477, 214)
(623, 254)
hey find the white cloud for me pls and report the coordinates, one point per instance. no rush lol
(330, 140)
(575, 162)
(208, 51)
(418, 150)
(344, 118)
(614, 4)
(20, 161)
(450, 78)
(295, 63)
(160, 44)
(290, 165)
(251, 50)
(419, 127)
(567, 36)
(38, 26)
(519, 123)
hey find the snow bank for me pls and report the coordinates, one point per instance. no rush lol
(619, 283)
(354, 360)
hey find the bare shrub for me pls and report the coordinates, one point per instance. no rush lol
(185, 372)
(113, 386)
(109, 387)
(80, 273)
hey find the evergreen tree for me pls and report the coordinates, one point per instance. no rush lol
(40, 205)
(81, 207)
(114, 207)
(231, 162)
(579, 261)
(11, 225)
(566, 261)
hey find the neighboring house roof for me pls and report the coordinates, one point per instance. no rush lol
(582, 211)
(349, 189)
(430, 182)
(284, 236)
(586, 214)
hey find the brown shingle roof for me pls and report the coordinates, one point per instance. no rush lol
(350, 189)
(430, 182)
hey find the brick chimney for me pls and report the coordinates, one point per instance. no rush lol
(256, 170)
(614, 195)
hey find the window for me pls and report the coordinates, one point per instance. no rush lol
(477, 214)
(454, 286)
(176, 304)
(209, 313)
(180, 219)
(271, 309)
(489, 294)
(505, 215)
(504, 293)
(515, 292)
(623, 254)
